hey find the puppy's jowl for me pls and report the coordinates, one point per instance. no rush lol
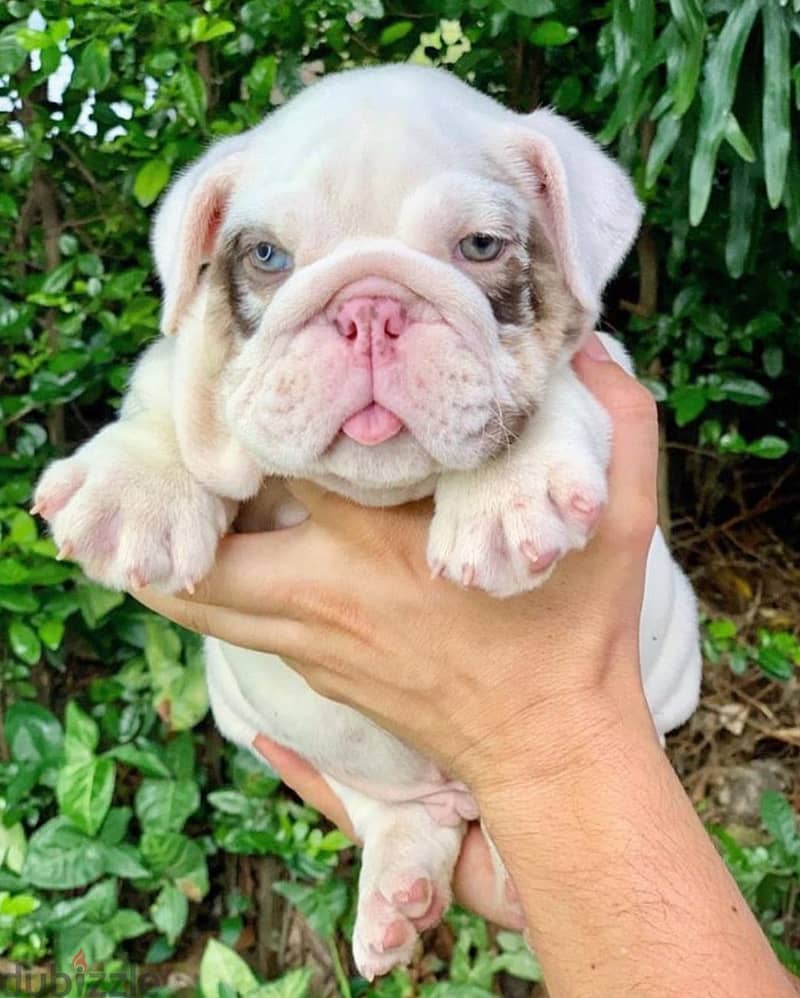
(379, 288)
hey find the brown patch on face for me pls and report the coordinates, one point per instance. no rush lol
(509, 294)
(247, 291)
(559, 318)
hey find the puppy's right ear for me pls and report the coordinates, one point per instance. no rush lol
(187, 224)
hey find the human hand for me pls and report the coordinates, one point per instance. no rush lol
(347, 598)
(474, 879)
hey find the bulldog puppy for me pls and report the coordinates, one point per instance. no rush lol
(379, 288)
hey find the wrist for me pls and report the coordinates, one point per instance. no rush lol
(548, 742)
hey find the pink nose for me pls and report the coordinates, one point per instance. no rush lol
(371, 325)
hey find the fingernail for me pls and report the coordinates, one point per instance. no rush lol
(594, 349)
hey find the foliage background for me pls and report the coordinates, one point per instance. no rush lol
(128, 831)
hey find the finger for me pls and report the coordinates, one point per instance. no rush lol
(322, 504)
(279, 635)
(634, 453)
(476, 886)
(258, 573)
(305, 780)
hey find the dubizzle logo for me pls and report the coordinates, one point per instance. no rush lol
(127, 980)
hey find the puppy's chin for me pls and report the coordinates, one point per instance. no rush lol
(397, 470)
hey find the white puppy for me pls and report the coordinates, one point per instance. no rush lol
(379, 288)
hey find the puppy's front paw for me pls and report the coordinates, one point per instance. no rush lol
(503, 531)
(129, 523)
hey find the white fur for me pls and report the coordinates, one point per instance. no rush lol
(399, 165)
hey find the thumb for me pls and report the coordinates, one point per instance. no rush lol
(633, 493)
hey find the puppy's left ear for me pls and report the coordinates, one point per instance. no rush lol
(583, 200)
(187, 222)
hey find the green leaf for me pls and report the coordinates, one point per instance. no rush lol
(551, 33)
(81, 727)
(667, 132)
(295, 984)
(150, 181)
(774, 663)
(688, 402)
(84, 791)
(206, 29)
(96, 602)
(34, 735)
(164, 805)
(744, 391)
(95, 64)
(687, 59)
(791, 199)
(127, 924)
(261, 78)
(772, 361)
(24, 642)
(220, 965)
(51, 632)
(322, 904)
(12, 846)
(769, 447)
(394, 32)
(780, 820)
(58, 278)
(123, 860)
(169, 912)
(147, 761)
(776, 100)
(23, 530)
(115, 826)
(18, 600)
(193, 90)
(530, 8)
(743, 200)
(717, 93)
(736, 138)
(61, 857)
(12, 55)
(178, 856)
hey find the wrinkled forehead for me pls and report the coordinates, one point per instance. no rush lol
(373, 170)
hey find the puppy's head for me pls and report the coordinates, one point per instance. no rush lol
(374, 285)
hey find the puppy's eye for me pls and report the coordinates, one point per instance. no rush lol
(270, 258)
(480, 247)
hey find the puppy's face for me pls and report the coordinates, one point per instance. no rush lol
(386, 274)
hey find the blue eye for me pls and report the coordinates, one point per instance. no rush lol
(480, 247)
(270, 258)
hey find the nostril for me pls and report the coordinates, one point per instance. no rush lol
(395, 323)
(350, 331)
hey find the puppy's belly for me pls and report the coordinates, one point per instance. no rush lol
(255, 693)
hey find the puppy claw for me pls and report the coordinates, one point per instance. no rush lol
(538, 561)
(437, 570)
(188, 587)
(137, 580)
(468, 576)
(65, 551)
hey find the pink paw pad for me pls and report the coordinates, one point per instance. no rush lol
(395, 935)
(415, 901)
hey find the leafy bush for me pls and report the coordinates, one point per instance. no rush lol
(119, 807)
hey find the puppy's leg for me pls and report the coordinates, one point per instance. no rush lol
(504, 526)
(124, 505)
(406, 871)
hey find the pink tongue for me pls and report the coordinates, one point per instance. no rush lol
(372, 425)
